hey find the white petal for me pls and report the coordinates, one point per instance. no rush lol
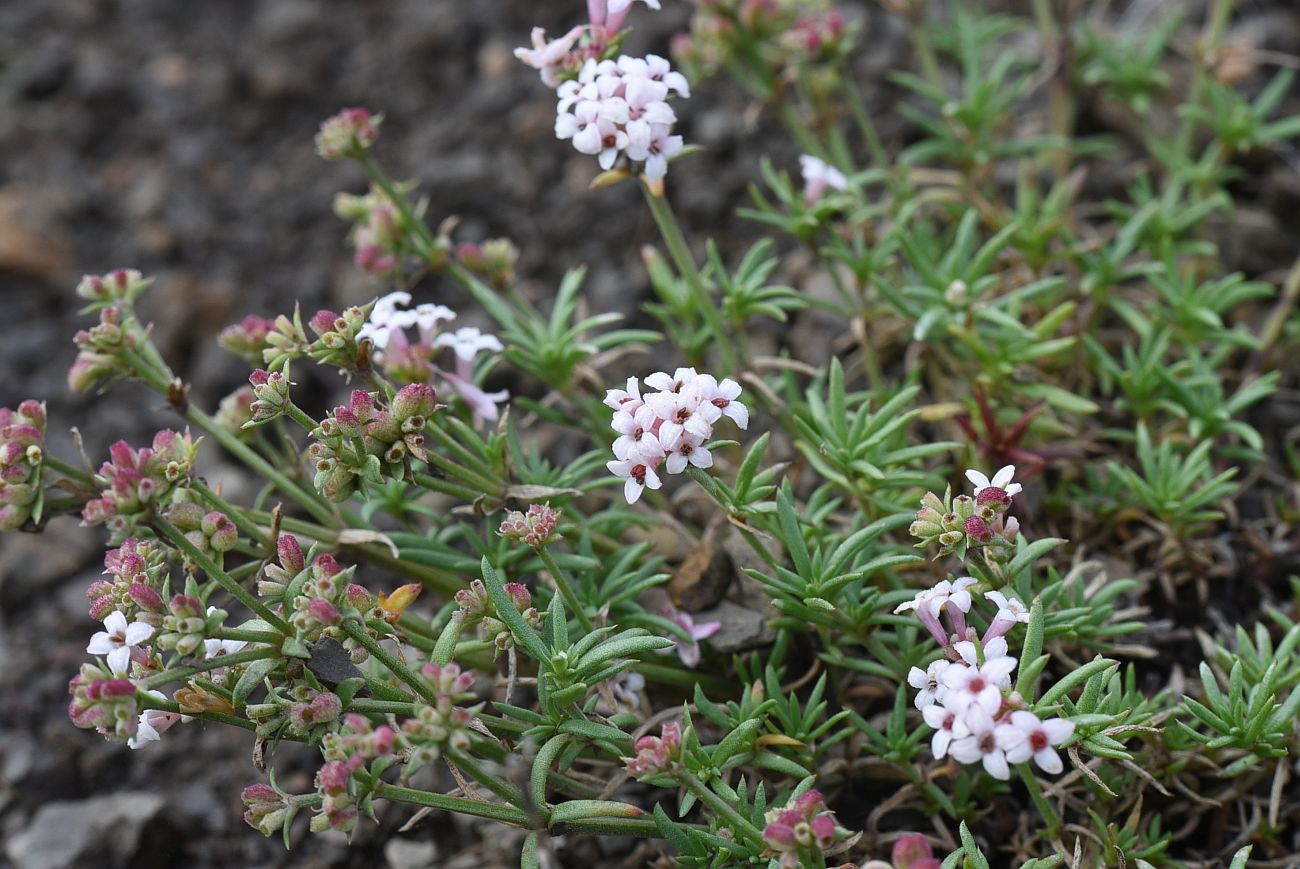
(978, 480)
(138, 632)
(119, 660)
(115, 622)
(101, 644)
(995, 762)
(1049, 761)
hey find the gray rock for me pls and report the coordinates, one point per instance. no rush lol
(63, 834)
(409, 854)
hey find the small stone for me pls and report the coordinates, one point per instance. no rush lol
(409, 854)
(104, 830)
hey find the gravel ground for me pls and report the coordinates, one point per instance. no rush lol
(177, 138)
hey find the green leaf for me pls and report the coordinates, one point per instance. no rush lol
(523, 632)
(252, 676)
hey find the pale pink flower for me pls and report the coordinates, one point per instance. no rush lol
(675, 382)
(819, 176)
(153, 723)
(683, 413)
(689, 450)
(948, 724)
(689, 650)
(1039, 737)
(636, 435)
(625, 399)
(929, 683)
(723, 395)
(483, 404)
(639, 476)
(978, 686)
(1010, 612)
(118, 640)
(987, 741)
(548, 57)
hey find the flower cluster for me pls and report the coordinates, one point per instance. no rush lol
(22, 450)
(350, 133)
(136, 570)
(357, 440)
(801, 832)
(442, 725)
(135, 481)
(958, 523)
(379, 239)
(669, 426)
(967, 696)
(247, 338)
(103, 702)
(119, 286)
(621, 106)
(478, 611)
(560, 59)
(412, 362)
(536, 527)
(656, 755)
(100, 350)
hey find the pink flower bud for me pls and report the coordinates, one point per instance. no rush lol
(324, 611)
(323, 321)
(290, 553)
(913, 851)
(325, 565)
(145, 597)
(978, 530)
(415, 399)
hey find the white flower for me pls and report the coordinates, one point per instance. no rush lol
(548, 57)
(118, 640)
(467, 341)
(483, 404)
(1010, 611)
(153, 723)
(427, 316)
(213, 648)
(723, 395)
(625, 399)
(987, 741)
(819, 176)
(1039, 737)
(689, 450)
(978, 686)
(948, 725)
(639, 477)
(1001, 480)
(636, 439)
(994, 650)
(620, 107)
(942, 593)
(680, 379)
(929, 683)
(682, 414)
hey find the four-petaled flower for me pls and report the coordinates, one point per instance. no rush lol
(118, 639)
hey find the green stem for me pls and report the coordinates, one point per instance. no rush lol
(225, 580)
(435, 484)
(681, 256)
(396, 667)
(148, 701)
(71, 472)
(236, 514)
(460, 805)
(245, 453)
(298, 415)
(179, 674)
(566, 588)
(495, 783)
(724, 810)
(271, 639)
(1036, 794)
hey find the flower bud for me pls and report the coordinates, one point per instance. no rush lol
(350, 133)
